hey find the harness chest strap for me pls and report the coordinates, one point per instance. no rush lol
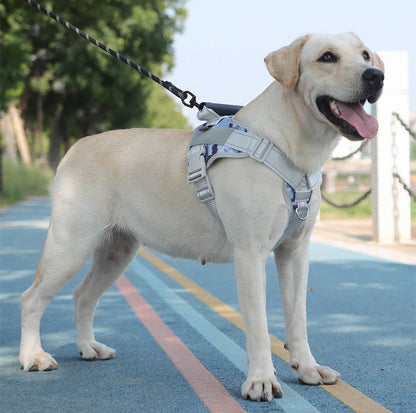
(299, 185)
(197, 174)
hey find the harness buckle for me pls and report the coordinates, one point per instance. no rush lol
(205, 193)
(197, 168)
(197, 173)
(261, 150)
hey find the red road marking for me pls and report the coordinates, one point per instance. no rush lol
(205, 385)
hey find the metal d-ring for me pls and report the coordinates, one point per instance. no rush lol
(300, 216)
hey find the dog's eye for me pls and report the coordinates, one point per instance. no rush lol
(328, 57)
(366, 55)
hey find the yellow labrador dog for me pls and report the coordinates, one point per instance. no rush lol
(121, 189)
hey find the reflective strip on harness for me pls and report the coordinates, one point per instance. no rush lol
(224, 137)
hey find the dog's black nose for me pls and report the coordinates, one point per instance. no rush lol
(374, 78)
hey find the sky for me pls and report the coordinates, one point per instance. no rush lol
(219, 56)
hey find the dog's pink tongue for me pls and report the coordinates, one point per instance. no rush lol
(355, 115)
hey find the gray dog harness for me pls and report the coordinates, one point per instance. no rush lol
(224, 137)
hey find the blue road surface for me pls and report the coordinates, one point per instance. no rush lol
(361, 322)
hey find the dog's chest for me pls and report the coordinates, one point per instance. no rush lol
(223, 137)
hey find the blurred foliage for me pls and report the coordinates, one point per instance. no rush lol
(67, 86)
(21, 180)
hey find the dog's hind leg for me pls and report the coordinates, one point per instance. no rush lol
(62, 258)
(111, 257)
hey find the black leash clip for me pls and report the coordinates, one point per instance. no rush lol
(189, 99)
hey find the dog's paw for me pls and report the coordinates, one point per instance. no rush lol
(261, 389)
(41, 361)
(315, 375)
(93, 350)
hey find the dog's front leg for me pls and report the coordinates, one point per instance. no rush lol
(292, 262)
(261, 383)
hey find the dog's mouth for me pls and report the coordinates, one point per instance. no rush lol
(349, 118)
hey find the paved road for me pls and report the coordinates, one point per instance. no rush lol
(175, 326)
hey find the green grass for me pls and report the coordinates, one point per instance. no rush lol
(21, 181)
(360, 211)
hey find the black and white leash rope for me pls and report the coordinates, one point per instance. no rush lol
(187, 98)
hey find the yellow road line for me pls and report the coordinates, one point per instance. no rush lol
(346, 394)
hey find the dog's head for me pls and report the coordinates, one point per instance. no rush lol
(335, 75)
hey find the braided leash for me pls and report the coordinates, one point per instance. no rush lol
(187, 98)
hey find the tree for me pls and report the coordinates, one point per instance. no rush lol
(163, 112)
(70, 87)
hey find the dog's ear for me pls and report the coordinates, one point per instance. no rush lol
(377, 62)
(283, 64)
